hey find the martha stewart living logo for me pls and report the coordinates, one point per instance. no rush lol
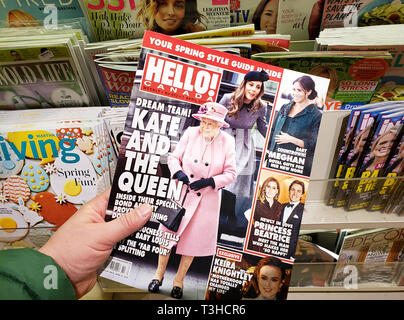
(40, 146)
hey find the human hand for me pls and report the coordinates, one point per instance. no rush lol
(84, 242)
(283, 138)
(202, 183)
(181, 176)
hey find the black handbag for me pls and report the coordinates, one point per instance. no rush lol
(171, 215)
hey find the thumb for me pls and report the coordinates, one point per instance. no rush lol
(128, 223)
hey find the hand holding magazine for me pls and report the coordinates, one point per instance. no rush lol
(203, 117)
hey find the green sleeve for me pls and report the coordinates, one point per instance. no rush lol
(26, 274)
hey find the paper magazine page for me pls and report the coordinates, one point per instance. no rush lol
(117, 19)
(233, 225)
(41, 75)
(16, 14)
(259, 42)
(245, 29)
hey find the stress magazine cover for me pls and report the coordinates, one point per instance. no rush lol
(221, 147)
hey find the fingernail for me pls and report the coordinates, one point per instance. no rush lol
(143, 210)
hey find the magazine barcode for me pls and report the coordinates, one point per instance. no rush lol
(118, 267)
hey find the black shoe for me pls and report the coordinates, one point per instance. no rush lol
(176, 292)
(154, 285)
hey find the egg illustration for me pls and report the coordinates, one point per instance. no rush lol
(75, 180)
(36, 177)
(12, 225)
(53, 211)
(10, 164)
(16, 188)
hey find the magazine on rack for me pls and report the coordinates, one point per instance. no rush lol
(374, 253)
(42, 74)
(378, 153)
(117, 19)
(387, 187)
(366, 124)
(52, 161)
(373, 38)
(300, 19)
(50, 14)
(172, 147)
(361, 13)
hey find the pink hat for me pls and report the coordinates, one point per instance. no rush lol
(212, 111)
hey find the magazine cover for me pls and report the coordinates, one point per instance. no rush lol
(393, 169)
(361, 13)
(373, 252)
(118, 81)
(345, 145)
(193, 144)
(16, 14)
(48, 169)
(378, 154)
(39, 75)
(354, 76)
(243, 12)
(300, 19)
(117, 19)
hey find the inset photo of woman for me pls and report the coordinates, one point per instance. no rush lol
(296, 123)
(171, 17)
(260, 278)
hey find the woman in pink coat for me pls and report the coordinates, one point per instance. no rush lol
(204, 159)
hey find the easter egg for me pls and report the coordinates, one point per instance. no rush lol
(12, 225)
(76, 180)
(36, 177)
(16, 188)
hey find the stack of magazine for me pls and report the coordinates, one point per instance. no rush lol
(52, 161)
(370, 159)
(374, 257)
(372, 38)
(45, 68)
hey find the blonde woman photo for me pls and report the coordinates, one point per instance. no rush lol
(171, 17)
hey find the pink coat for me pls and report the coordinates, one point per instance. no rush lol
(197, 159)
